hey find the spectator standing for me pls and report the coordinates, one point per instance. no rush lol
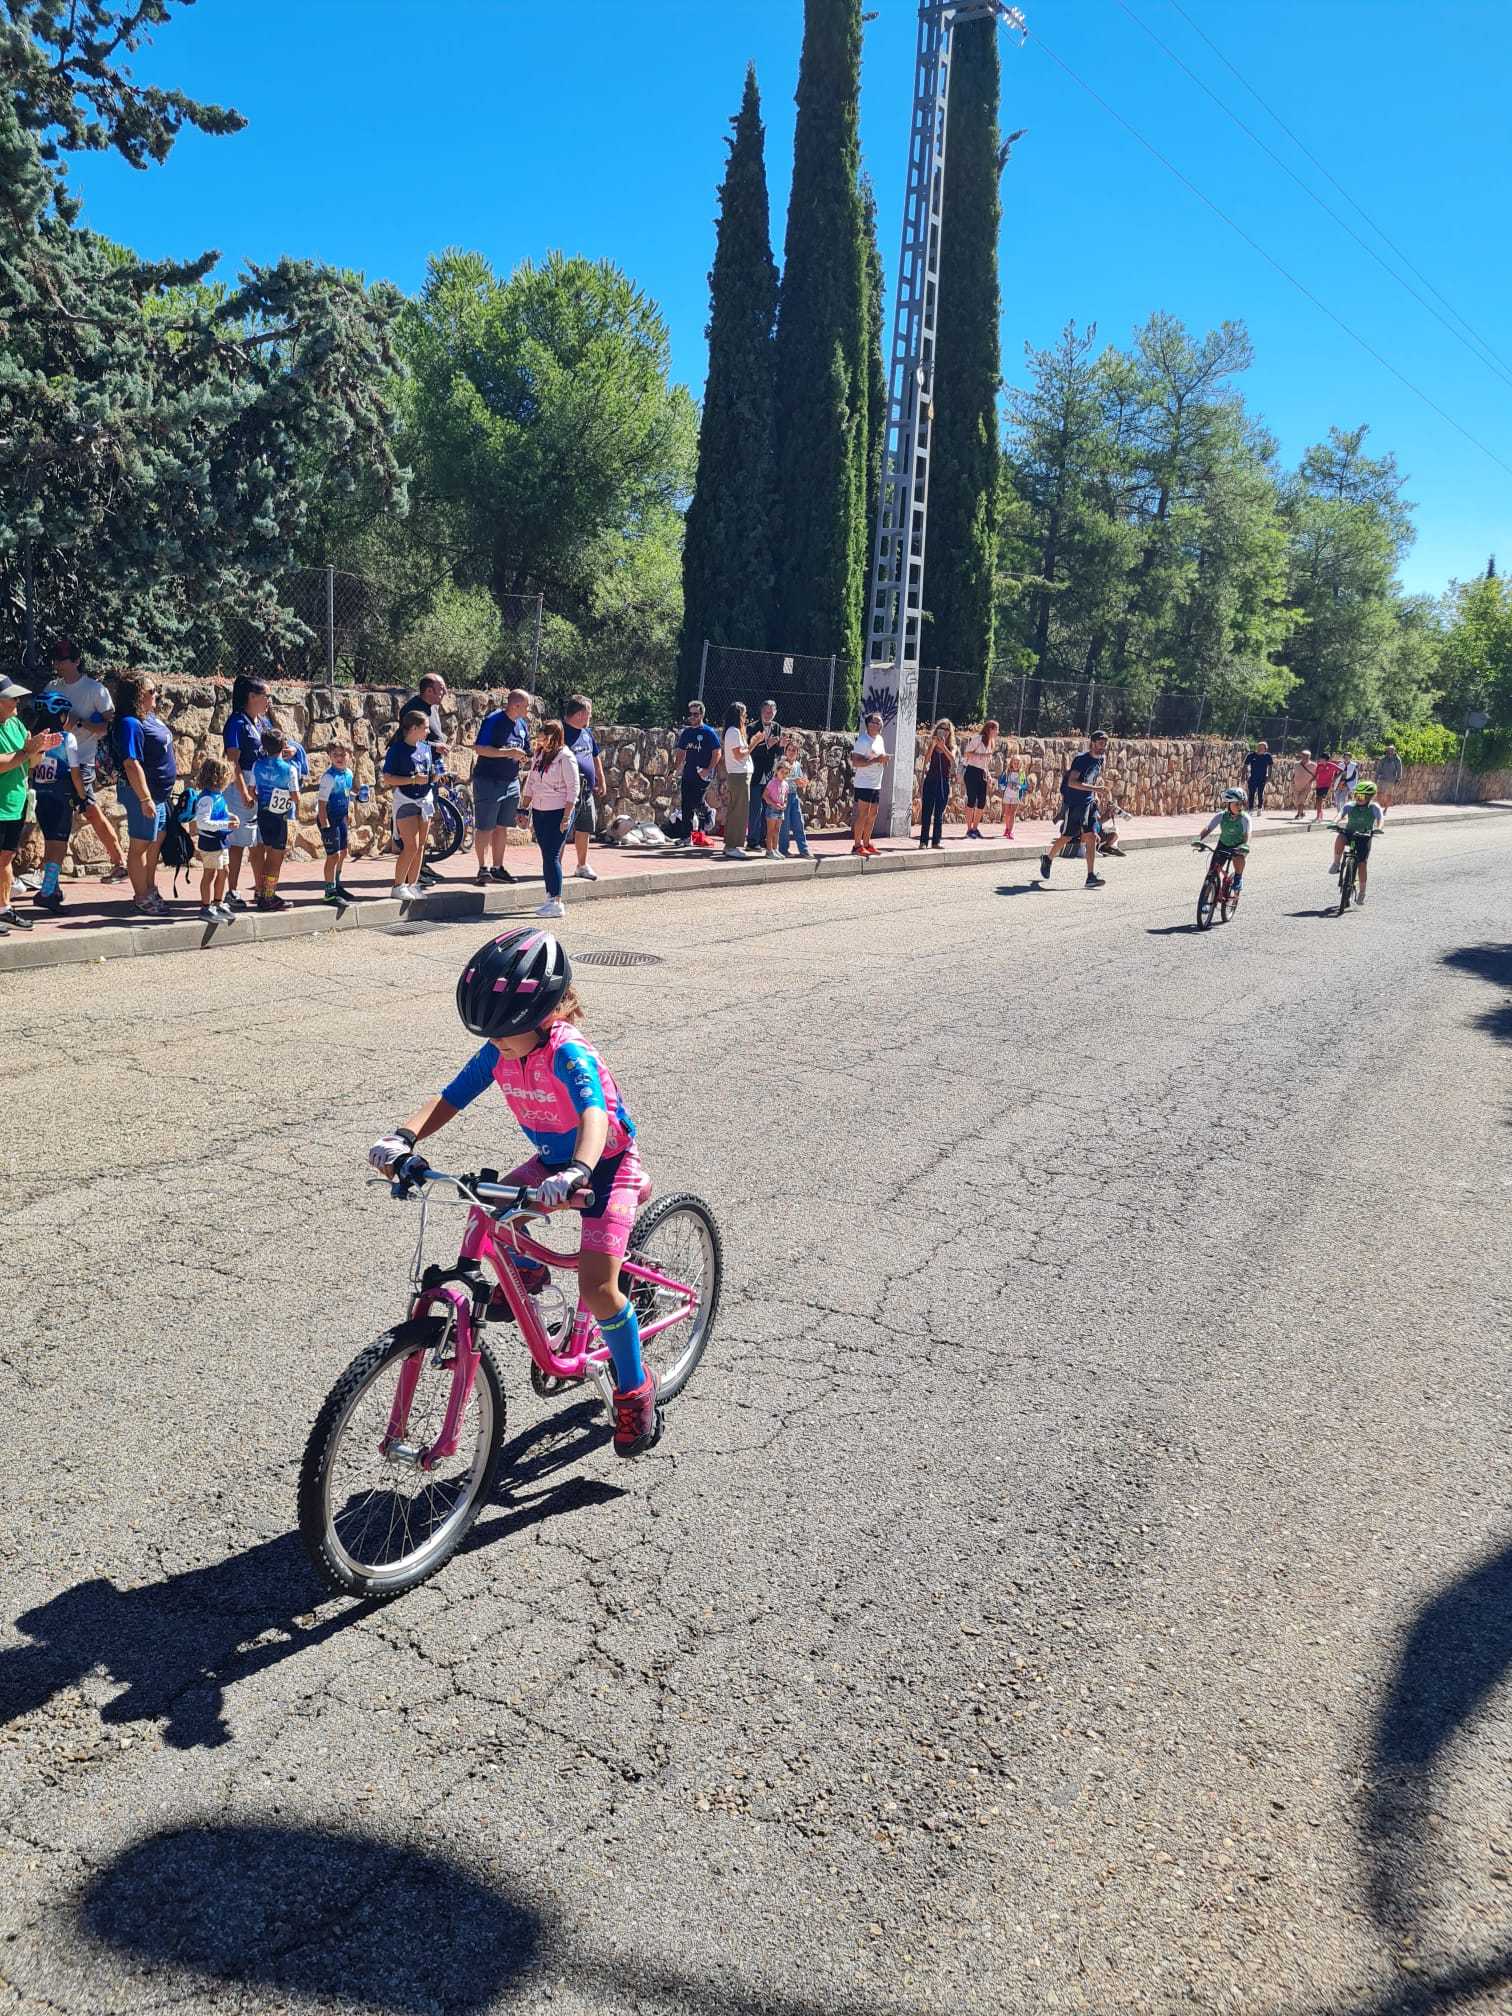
(766, 748)
(409, 763)
(58, 780)
(500, 749)
(144, 753)
(774, 796)
(1079, 795)
(738, 770)
(868, 759)
(582, 746)
(243, 744)
(429, 698)
(1323, 782)
(212, 822)
(792, 816)
(333, 804)
(275, 778)
(18, 751)
(698, 745)
(1257, 769)
(939, 775)
(976, 774)
(1303, 778)
(1388, 775)
(1345, 782)
(92, 709)
(552, 787)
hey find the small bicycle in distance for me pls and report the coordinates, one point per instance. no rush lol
(406, 1450)
(1218, 897)
(1349, 869)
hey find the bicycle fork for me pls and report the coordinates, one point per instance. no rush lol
(459, 1329)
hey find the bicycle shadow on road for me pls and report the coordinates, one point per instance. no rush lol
(327, 1916)
(1019, 889)
(1492, 963)
(176, 1646)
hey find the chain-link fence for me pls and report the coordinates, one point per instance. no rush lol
(803, 687)
(359, 632)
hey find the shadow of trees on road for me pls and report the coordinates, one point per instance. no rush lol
(1492, 963)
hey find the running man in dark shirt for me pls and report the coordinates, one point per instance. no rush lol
(1257, 769)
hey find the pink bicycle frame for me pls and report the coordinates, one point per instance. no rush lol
(486, 1241)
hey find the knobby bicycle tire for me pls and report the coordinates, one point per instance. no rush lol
(448, 834)
(647, 1225)
(1346, 880)
(1228, 902)
(331, 1562)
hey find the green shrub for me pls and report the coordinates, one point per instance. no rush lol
(1430, 742)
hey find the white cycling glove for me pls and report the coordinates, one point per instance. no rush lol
(391, 1149)
(562, 1184)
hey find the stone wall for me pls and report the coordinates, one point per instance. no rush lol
(641, 764)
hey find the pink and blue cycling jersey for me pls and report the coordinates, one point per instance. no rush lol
(548, 1092)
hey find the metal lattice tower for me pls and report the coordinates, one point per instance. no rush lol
(897, 583)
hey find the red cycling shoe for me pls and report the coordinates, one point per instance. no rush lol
(638, 1420)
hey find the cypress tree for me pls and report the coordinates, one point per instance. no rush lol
(820, 532)
(727, 551)
(876, 378)
(965, 462)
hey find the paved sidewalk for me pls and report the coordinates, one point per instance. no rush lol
(98, 923)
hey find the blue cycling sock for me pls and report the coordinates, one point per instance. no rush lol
(622, 1334)
(51, 871)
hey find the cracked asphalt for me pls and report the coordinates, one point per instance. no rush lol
(1078, 1578)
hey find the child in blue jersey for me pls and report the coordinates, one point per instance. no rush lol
(517, 992)
(212, 821)
(276, 783)
(333, 803)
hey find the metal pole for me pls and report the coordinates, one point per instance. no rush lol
(1201, 703)
(703, 668)
(934, 704)
(31, 611)
(829, 698)
(535, 642)
(1023, 682)
(1244, 724)
(1150, 723)
(1091, 702)
(331, 627)
(1285, 735)
(1459, 775)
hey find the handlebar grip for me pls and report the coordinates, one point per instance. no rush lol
(413, 1169)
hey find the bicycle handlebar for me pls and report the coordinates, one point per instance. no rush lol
(414, 1169)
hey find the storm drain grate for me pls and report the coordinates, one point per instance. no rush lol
(618, 958)
(415, 929)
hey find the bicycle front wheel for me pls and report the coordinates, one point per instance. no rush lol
(448, 834)
(1346, 881)
(677, 1237)
(1207, 903)
(378, 1524)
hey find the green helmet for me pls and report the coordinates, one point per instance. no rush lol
(1365, 790)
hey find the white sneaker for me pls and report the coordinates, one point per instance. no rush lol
(552, 908)
(585, 873)
(735, 854)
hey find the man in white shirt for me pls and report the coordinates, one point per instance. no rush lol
(868, 760)
(92, 710)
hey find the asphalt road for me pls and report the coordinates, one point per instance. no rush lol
(1079, 1577)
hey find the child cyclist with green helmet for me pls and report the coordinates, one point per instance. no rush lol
(1359, 821)
(516, 992)
(1232, 825)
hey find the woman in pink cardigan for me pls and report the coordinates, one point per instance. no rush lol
(551, 792)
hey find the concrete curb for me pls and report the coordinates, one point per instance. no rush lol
(20, 953)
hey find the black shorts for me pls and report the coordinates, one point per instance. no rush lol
(976, 788)
(55, 814)
(868, 797)
(1081, 817)
(334, 837)
(10, 834)
(1320, 792)
(1361, 845)
(273, 829)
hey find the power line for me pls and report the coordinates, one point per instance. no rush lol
(1327, 209)
(1323, 170)
(1269, 258)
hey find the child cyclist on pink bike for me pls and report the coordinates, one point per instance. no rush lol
(517, 992)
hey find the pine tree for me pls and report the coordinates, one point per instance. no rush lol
(820, 527)
(876, 375)
(727, 554)
(966, 457)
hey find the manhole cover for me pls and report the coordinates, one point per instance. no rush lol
(618, 959)
(413, 930)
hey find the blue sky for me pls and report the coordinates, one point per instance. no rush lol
(383, 130)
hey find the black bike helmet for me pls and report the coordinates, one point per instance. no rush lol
(513, 983)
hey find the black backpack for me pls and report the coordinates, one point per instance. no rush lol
(178, 834)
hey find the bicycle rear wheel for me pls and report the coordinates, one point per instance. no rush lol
(1346, 880)
(1207, 902)
(678, 1237)
(1228, 900)
(449, 830)
(377, 1525)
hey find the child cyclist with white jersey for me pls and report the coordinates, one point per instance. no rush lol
(1233, 826)
(517, 992)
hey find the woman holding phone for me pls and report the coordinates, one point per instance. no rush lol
(18, 751)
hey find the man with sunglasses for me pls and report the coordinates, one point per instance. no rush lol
(698, 745)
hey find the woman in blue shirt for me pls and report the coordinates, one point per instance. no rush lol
(250, 701)
(144, 754)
